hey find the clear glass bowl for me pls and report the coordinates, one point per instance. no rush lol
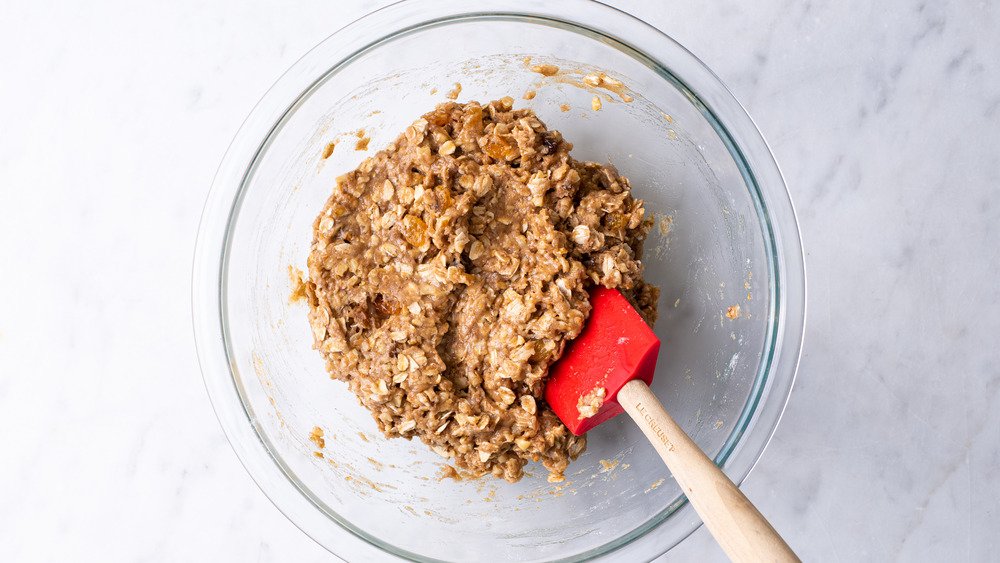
(692, 154)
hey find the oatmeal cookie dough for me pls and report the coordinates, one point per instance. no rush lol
(449, 270)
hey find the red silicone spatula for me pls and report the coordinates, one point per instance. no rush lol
(607, 370)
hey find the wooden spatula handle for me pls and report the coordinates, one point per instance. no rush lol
(743, 533)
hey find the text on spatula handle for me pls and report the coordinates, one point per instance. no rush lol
(650, 419)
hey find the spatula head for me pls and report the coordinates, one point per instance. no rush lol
(615, 347)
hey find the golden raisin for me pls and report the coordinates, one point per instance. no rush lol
(414, 230)
(384, 307)
(439, 118)
(497, 148)
(444, 199)
(472, 123)
(616, 221)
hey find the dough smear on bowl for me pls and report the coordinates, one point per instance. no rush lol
(449, 270)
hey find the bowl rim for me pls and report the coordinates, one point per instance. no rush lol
(776, 215)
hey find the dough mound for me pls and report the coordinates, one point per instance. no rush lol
(448, 272)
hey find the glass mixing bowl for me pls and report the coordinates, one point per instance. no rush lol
(726, 235)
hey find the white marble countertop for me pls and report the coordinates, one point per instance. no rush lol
(115, 114)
